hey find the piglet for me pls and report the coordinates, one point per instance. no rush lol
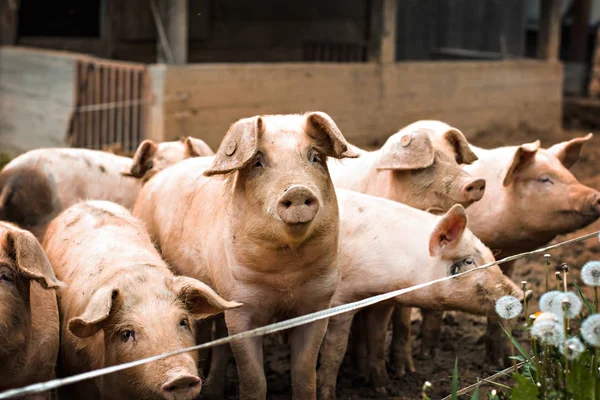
(405, 247)
(122, 304)
(29, 326)
(151, 157)
(259, 221)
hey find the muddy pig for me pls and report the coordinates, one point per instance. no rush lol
(261, 225)
(123, 303)
(412, 169)
(405, 247)
(531, 198)
(150, 157)
(29, 326)
(37, 185)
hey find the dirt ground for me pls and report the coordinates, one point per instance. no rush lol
(460, 331)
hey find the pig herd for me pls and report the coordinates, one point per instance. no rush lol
(107, 259)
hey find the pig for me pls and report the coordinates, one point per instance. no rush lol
(258, 222)
(531, 198)
(37, 185)
(29, 325)
(123, 303)
(412, 169)
(405, 247)
(150, 157)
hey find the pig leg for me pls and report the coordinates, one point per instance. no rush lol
(431, 329)
(359, 346)
(218, 366)
(401, 341)
(248, 355)
(333, 350)
(378, 318)
(305, 342)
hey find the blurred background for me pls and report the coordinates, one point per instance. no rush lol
(100, 73)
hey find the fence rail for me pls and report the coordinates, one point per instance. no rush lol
(272, 328)
(122, 85)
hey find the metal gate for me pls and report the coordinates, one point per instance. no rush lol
(111, 105)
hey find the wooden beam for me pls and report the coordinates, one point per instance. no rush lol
(108, 27)
(579, 30)
(9, 19)
(382, 32)
(174, 17)
(549, 32)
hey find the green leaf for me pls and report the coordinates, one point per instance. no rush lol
(587, 304)
(455, 380)
(518, 346)
(475, 393)
(524, 389)
(580, 382)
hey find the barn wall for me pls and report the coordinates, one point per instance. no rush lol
(368, 101)
(36, 98)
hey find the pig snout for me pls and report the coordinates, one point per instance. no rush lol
(474, 190)
(298, 205)
(181, 387)
(596, 203)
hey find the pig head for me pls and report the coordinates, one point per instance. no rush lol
(532, 196)
(29, 326)
(151, 158)
(413, 169)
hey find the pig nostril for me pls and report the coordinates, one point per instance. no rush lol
(287, 204)
(307, 202)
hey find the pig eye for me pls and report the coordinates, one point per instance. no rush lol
(545, 179)
(184, 324)
(258, 162)
(315, 158)
(469, 261)
(4, 277)
(126, 335)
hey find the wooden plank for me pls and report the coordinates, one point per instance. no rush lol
(382, 31)
(9, 22)
(134, 111)
(549, 32)
(579, 30)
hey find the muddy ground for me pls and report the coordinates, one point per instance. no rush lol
(460, 331)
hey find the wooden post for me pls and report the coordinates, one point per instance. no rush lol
(108, 26)
(382, 32)
(9, 19)
(174, 17)
(549, 32)
(579, 30)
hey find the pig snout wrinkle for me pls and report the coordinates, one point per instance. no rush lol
(298, 205)
(473, 191)
(183, 387)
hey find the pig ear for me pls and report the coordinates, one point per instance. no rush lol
(321, 127)
(200, 299)
(142, 159)
(101, 305)
(524, 154)
(568, 152)
(30, 259)
(413, 150)
(448, 231)
(464, 154)
(196, 147)
(238, 147)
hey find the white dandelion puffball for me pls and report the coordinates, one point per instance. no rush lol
(571, 301)
(508, 307)
(590, 330)
(548, 332)
(590, 273)
(572, 348)
(547, 300)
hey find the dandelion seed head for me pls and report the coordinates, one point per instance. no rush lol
(547, 300)
(569, 300)
(508, 307)
(590, 273)
(590, 330)
(572, 348)
(548, 332)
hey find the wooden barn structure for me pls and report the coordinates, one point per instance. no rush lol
(100, 72)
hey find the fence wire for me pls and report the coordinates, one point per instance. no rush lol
(272, 328)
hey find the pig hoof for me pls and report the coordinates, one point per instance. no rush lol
(381, 391)
(327, 393)
(360, 381)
